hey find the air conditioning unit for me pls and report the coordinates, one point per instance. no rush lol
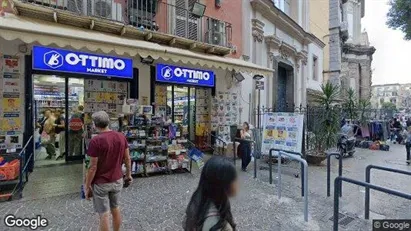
(216, 32)
(107, 9)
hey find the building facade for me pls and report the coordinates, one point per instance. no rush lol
(319, 26)
(280, 40)
(179, 57)
(398, 94)
(350, 51)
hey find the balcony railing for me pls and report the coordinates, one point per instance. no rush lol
(153, 15)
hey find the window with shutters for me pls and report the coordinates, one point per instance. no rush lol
(186, 25)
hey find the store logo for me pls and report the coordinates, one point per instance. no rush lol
(53, 59)
(182, 75)
(167, 72)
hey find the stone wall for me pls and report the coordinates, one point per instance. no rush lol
(335, 41)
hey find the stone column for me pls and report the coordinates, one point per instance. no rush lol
(335, 41)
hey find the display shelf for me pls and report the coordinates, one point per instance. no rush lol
(137, 173)
(158, 170)
(9, 182)
(152, 150)
(154, 161)
(138, 159)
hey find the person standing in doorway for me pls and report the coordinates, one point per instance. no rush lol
(245, 146)
(59, 129)
(104, 181)
(76, 132)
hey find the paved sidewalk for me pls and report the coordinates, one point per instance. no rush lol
(159, 202)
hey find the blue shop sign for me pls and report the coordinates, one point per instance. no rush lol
(183, 75)
(52, 59)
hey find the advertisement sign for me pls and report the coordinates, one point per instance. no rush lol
(184, 75)
(282, 131)
(53, 59)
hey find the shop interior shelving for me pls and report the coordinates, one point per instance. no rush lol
(152, 150)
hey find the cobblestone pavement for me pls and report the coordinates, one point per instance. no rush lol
(158, 202)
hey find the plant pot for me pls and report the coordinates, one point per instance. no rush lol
(315, 159)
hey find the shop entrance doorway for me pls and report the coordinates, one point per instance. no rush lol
(181, 104)
(58, 104)
(187, 107)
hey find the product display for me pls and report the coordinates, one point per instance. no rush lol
(155, 146)
(104, 95)
(225, 111)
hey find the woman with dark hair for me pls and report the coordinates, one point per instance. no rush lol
(209, 208)
(245, 146)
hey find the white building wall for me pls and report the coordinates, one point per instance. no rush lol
(258, 53)
(315, 50)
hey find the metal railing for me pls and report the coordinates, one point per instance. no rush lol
(368, 180)
(24, 158)
(152, 15)
(304, 178)
(270, 168)
(340, 166)
(217, 149)
(338, 181)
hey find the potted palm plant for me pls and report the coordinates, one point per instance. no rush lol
(323, 134)
(350, 104)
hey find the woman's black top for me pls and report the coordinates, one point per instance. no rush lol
(59, 121)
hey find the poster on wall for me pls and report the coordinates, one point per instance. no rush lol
(11, 142)
(8, 124)
(11, 85)
(11, 103)
(10, 64)
(282, 131)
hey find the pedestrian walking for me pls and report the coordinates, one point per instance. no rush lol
(209, 208)
(245, 146)
(408, 145)
(104, 181)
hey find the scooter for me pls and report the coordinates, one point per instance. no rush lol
(346, 146)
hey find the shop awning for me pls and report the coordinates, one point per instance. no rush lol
(31, 31)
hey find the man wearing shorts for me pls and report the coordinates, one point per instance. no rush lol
(104, 180)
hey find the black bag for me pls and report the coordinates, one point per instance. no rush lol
(385, 147)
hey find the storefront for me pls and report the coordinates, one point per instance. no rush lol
(220, 103)
(183, 94)
(70, 85)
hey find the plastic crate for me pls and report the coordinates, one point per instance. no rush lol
(10, 170)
